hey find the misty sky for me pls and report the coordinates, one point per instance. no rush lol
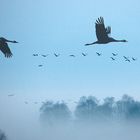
(64, 26)
(45, 27)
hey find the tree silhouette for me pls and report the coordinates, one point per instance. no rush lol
(106, 110)
(2, 136)
(86, 108)
(128, 108)
(89, 108)
(55, 112)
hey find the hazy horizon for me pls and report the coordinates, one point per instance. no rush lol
(64, 27)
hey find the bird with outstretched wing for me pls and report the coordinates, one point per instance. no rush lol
(5, 48)
(102, 33)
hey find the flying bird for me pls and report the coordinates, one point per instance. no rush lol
(72, 55)
(84, 54)
(56, 55)
(127, 60)
(40, 65)
(10, 95)
(44, 55)
(35, 54)
(99, 54)
(112, 58)
(102, 33)
(114, 54)
(134, 59)
(125, 57)
(5, 48)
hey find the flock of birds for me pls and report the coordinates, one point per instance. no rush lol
(113, 57)
(41, 102)
(102, 34)
(25, 102)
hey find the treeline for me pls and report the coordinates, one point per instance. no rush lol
(91, 109)
(2, 135)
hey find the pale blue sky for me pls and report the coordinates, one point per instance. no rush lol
(64, 26)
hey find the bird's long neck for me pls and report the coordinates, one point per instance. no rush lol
(10, 41)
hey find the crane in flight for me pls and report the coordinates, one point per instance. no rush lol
(112, 58)
(99, 54)
(134, 59)
(40, 65)
(56, 55)
(126, 59)
(84, 54)
(102, 33)
(72, 55)
(114, 54)
(35, 54)
(44, 55)
(10, 95)
(5, 48)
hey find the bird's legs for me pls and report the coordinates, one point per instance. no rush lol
(90, 43)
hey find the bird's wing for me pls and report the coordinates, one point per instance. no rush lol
(6, 50)
(101, 30)
(108, 30)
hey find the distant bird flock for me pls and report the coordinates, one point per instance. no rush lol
(102, 34)
(26, 102)
(113, 56)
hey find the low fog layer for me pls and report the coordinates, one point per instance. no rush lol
(90, 109)
(91, 119)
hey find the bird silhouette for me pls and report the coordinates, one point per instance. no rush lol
(5, 48)
(56, 55)
(114, 54)
(84, 54)
(99, 54)
(102, 33)
(44, 55)
(26, 102)
(40, 65)
(125, 57)
(10, 95)
(72, 55)
(112, 58)
(134, 59)
(127, 60)
(35, 54)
